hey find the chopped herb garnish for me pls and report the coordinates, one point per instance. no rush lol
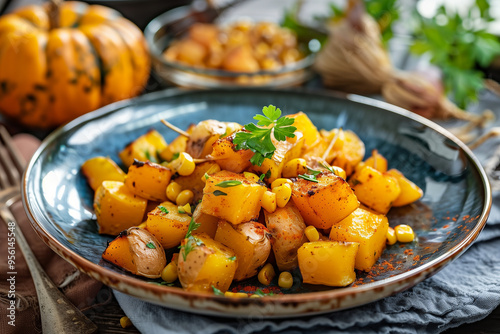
(308, 177)
(228, 183)
(219, 193)
(258, 137)
(313, 172)
(175, 156)
(191, 240)
(180, 210)
(355, 182)
(261, 177)
(163, 209)
(261, 293)
(232, 258)
(206, 176)
(217, 292)
(324, 165)
(149, 156)
(163, 283)
(150, 245)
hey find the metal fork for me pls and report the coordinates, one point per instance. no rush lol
(58, 314)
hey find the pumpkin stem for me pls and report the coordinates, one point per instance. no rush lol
(54, 6)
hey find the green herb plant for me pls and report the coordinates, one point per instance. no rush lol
(191, 241)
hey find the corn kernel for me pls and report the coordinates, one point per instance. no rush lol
(235, 294)
(294, 168)
(125, 322)
(184, 164)
(404, 233)
(185, 209)
(184, 197)
(285, 280)
(312, 233)
(169, 273)
(142, 225)
(266, 274)
(283, 194)
(173, 190)
(268, 201)
(280, 182)
(391, 236)
(251, 176)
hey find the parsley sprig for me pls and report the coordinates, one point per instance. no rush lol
(311, 176)
(258, 137)
(191, 241)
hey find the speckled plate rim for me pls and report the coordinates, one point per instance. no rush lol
(284, 305)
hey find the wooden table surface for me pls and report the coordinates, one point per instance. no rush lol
(106, 314)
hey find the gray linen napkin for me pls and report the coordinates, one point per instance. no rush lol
(465, 291)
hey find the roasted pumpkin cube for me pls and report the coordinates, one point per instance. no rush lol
(249, 241)
(328, 262)
(306, 127)
(148, 180)
(117, 208)
(167, 224)
(285, 151)
(137, 251)
(287, 232)
(374, 189)
(176, 146)
(144, 148)
(351, 153)
(325, 202)
(100, 169)
(237, 203)
(205, 264)
(376, 161)
(228, 158)
(208, 224)
(410, 192)
(369, 230)
(194, 181)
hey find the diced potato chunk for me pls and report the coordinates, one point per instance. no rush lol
(148, 180)
(100, 169)
(285, 151)
(304, 125)
(167, 224)
(194, 181)
(328, 262)
(228, 158)
(137, 251)
(410, 192)
(208, 224)
(324, 203)
(369, 230)
(208, 264)
(375, 190)
(117, 208)
(287, 231)
(249, 241)
(144, 148)
(236, 204)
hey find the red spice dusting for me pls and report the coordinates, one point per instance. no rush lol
(408, 252)
(454, 219)
(446, 226)
(466, 217)
(416, 258)
(448, 232)
(434, 229)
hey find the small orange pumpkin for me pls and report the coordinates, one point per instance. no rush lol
(57, 64)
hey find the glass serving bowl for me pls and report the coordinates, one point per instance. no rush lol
(162, 30)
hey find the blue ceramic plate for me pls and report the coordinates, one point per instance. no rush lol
(446, 220)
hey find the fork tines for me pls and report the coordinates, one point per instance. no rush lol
(11, 162)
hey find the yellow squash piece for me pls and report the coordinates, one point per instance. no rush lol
(236, 204)
(208, 224)
(137, 251)
(304, 125)
(251, 244)
(167, 224)
(375, 190)
(228, 158)
(148, 180)
(410, 192)
(208, 264)
(326, 202)
(194, 181)
(144, 148)
(100, 169)
(352, 152)
(285, 151)
(117, 208)
(176, 146)
(328, 262)
(287, 231)
(369, 230)
(376, 161)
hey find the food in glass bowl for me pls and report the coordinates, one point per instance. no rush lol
(240, 47)
(231, 202)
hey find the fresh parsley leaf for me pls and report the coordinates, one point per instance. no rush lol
(313, 172)
(228, 183)
(261, 293)
(206, 176)
(329, 168)
(261, 177)
(308, 177)
(191, 241)
(150, 245)
(192, 227)
(258, 138)
(232, 258)
(163, 283)
(163, 209)
(219, 193)
(175, 156)
(181, 210)
(217, 292)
